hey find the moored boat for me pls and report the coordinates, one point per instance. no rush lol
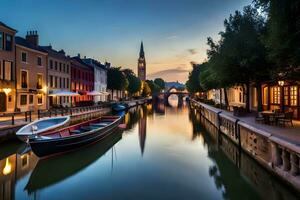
(40, 126)
(74, 137)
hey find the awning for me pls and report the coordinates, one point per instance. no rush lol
(94, 93)
(64, 93)
(105, 93)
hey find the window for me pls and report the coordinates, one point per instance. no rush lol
(24, 57)
(265, 96)
(64, 83)
(60, 67)
(39, 81)
(7, 70)
(286, 96)
(31, 99)
(24, 79)
(67, 83)
(64, 67)
(39, 61)
(23, 100)
(1, 70)
(55, 65)
(51, 81)
(51, 64)
(275, 95)
(9, 98)
(293, 95)
(8, 42)
(1, 40)
(67, 68)
(60, 82)
(40, 99)
(55, 85)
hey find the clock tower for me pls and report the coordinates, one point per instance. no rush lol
(142, 64)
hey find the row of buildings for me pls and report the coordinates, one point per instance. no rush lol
(39, 77)
(283, 95)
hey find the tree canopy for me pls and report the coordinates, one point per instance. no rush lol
(160, 82)
(116, 79)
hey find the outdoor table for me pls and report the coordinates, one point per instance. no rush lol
(267, 115)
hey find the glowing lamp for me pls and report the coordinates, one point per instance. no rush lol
(6, 90)
(45, 89)
(7, 168)
(281, 83)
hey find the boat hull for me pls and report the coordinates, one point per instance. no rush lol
(50, 147)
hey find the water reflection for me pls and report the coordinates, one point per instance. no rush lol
(164, 153)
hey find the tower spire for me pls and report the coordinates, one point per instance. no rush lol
(142, 54)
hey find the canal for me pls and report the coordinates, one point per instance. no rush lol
(166, 152)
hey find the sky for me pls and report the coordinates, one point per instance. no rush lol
(174, 32)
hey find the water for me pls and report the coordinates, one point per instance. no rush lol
(165, 152)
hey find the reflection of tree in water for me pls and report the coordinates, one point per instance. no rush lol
(232, 171)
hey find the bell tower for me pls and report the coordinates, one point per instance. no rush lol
(142, 64)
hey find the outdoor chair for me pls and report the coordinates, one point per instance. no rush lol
(288, 119)
(259, 118)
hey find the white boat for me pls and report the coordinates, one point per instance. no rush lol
(40, 126)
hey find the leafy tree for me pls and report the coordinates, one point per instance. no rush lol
(134, 84)
(193, 83)
(239, 58)
(116, 79)
(146, 89)
(283, 36)
(154, 87)
(160, 82)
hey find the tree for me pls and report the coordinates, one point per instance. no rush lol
(146, 89)
(134, 84)
(116, 79)
(154, 87)
(240, 57)
(160, 82)
(283, 36)
(193, 84)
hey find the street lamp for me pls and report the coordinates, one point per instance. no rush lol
(281, 83)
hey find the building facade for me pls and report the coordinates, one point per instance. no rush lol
(59, 76)
(100, 78)
(31, 73)
(142, 64)
(7, 68)
(82, 80)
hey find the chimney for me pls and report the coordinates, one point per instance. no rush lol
(33, 37)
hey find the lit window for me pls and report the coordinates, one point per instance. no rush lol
(286, 95)
(39, 81)
(7, 70)
(24, 79)
(40, 99)
(275, 95)
(293, 95)
(31, 99)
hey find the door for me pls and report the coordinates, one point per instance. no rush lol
(2, 102)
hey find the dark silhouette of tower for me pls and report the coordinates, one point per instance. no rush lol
(142, 125)
(142, 64)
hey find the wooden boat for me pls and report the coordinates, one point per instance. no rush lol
(74, 137)
(40, 126)
(69, 164)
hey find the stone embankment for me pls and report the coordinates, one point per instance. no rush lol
(279, 156)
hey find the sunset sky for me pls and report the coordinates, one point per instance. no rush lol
(174, 32)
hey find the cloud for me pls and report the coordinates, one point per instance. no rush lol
(192, 51)
(178, 73)
(172, 37)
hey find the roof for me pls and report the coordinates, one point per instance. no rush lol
(4, 25)
(80, 61)
(23, 42)
(53, 53)
(94, 62)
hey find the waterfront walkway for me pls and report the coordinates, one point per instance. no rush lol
(288, 133)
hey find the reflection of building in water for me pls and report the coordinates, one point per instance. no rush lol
(142, 129)
(13, 168)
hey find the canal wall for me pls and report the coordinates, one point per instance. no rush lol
(280, 157)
